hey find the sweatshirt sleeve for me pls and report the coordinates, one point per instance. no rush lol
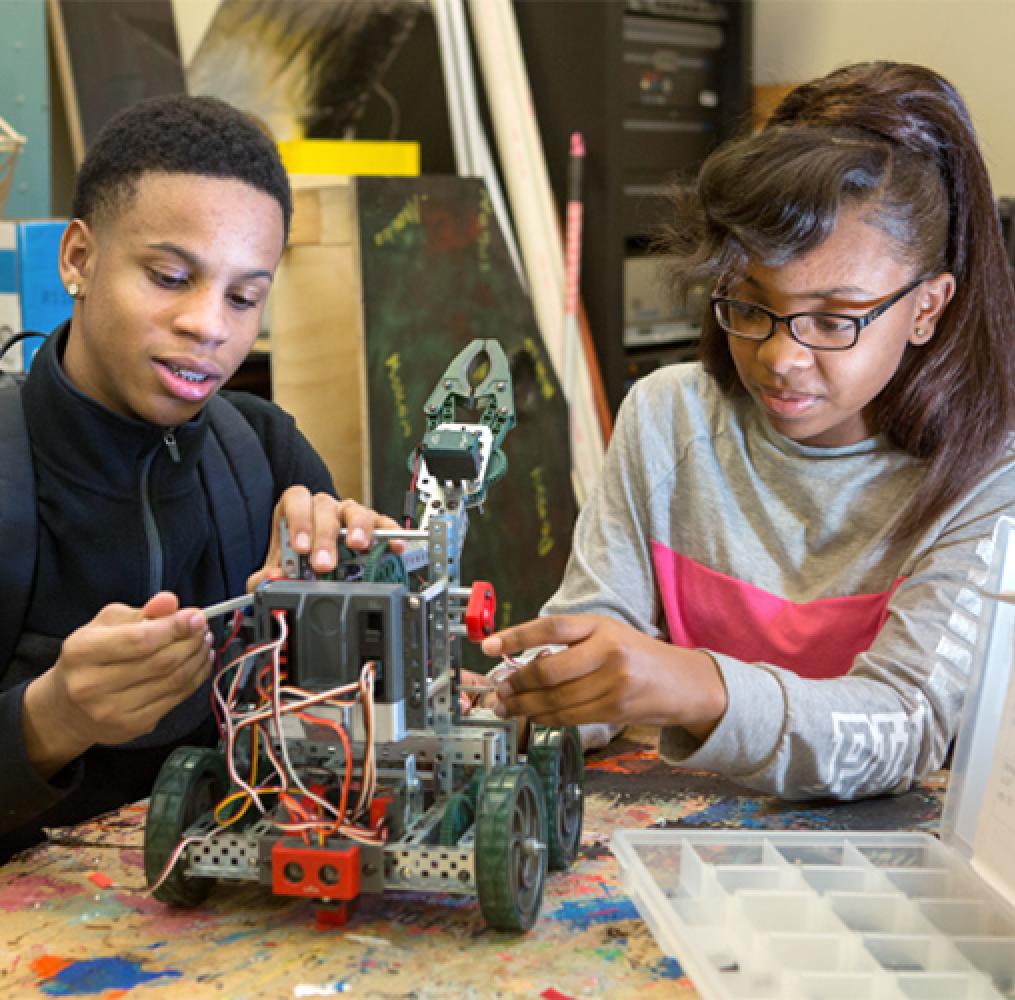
(303, 466)
(609, 570)
(293, 460)
(885, 724)
(24, 794)
(891, 719)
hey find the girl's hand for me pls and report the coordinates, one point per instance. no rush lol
(609, 672)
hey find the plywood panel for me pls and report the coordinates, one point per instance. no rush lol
(323, 210)
(317, 358)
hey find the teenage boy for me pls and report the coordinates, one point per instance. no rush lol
(181, 212)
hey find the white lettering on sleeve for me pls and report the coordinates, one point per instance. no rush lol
(866, 749)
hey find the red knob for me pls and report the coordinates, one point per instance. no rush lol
(480, 611)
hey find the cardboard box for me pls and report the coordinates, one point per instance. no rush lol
(32, 296)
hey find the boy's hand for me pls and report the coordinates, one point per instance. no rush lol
(314, 522)
(609, 672)
(115, 678)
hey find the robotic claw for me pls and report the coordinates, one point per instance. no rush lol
(346, 765)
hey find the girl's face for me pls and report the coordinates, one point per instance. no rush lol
(822, 398)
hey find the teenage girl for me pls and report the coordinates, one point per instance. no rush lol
(780, 567)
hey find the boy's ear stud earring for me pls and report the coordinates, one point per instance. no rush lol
(73, 289)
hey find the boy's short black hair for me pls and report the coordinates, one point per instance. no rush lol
(177, 134)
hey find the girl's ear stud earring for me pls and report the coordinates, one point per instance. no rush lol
(73, 289)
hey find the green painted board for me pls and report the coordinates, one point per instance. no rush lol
(436, 275)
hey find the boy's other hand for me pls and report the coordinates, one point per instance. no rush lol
(115, 678)
(314, 521)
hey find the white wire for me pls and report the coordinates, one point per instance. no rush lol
(298, 701)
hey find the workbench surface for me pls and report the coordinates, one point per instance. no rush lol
(75, 919)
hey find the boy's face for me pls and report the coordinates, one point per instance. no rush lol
(172, 290)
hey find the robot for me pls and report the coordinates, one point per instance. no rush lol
(346, 765)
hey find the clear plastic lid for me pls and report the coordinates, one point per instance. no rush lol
(979, 813)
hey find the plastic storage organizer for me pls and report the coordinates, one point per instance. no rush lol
(788, 915)
(858, 916)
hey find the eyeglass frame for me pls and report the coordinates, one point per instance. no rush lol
(859, 322)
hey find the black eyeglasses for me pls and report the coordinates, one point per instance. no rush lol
(820, 331)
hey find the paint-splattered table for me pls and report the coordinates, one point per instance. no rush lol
(75, 921)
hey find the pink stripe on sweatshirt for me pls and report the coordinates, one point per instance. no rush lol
(708, 610)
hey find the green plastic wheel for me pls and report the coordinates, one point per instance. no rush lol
(189, 785)
(382, 566)
(458, 816)
(511, 848)
(475, 786)
(556, 756)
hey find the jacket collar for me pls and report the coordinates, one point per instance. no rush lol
(87, 443)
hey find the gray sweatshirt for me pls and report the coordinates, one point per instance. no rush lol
(845, 656)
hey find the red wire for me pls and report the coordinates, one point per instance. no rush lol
(347, 781)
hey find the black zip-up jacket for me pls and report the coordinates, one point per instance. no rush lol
(116, 498)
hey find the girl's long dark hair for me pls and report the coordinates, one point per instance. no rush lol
(895, 140)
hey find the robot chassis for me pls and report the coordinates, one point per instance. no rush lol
(456, 809)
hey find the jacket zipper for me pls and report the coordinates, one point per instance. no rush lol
(155, 560)
(169, 437)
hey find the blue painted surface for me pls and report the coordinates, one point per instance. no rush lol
(585, 913)
(45, 303)
(239, 936)
(668, 968)
(97, 975)
(737, 813)
(9, 272)
(34, 266)
(25, 104)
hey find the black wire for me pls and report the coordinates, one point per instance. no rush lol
(17, 338)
